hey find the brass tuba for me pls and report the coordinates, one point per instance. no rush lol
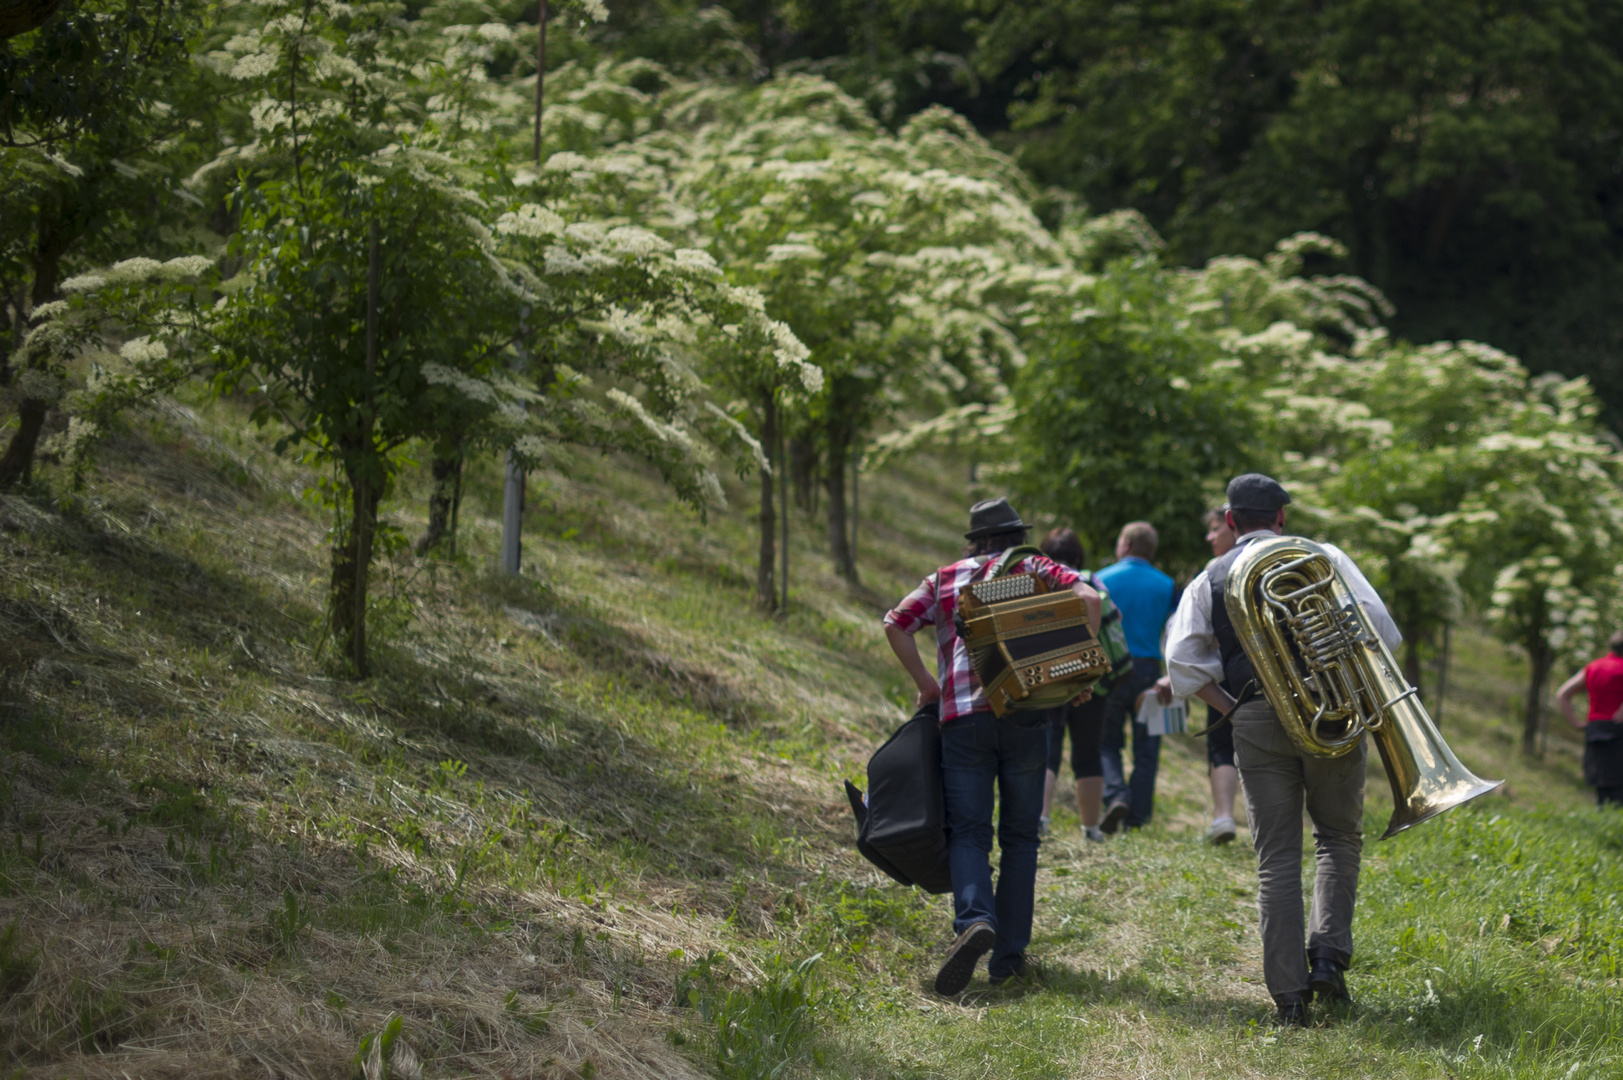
(1330, 678)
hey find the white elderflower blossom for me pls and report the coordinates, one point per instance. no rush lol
(665, 433)
(531, 221)
(65, 165)
(791, 252)
(625, 326)
(83, 283)
(268, 115)
(36, 385)
(495, 32)
(186, 266)
(334, 66)
(531, 447)
(695, 260)
(254, 66)
(468, 386)
(745, 297)
(568, 161)
(710, 487)
(585, 232)
(73, 443)
(636, 242)
(596, 10)
(50, 310)
(143, 350)
(743, 435)
(128, 271)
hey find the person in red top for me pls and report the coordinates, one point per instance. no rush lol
(978, 750)
(1602, 681)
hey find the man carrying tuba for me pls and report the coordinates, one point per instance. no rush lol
(1203, 649)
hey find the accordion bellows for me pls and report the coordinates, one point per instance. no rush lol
(1031, 648)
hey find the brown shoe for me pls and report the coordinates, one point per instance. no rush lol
(966, 952)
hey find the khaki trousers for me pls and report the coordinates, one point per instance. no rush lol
(1280, 781)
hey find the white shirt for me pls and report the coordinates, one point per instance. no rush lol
(1193, 658)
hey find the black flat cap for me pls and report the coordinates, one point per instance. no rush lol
(1257, 493)
(992, 516)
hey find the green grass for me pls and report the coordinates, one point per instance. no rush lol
(587, 821)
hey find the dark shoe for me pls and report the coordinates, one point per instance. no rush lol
(1291, 1011)
(1326, 982)
(1023, 970)
(1115, 814)
(966, 952)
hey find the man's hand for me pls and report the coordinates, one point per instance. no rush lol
(907, 652)
(1086, 695)
(1163, 690)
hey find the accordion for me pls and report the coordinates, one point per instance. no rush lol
(1031, 647)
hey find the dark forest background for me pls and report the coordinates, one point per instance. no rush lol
(1469, 153)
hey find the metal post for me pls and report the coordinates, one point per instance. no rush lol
(783, 488)
(512, 514)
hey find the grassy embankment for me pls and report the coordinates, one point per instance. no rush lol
(587, 822)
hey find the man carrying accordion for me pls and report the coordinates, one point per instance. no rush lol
(1023, 631)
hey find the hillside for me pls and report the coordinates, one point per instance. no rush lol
(587, 822)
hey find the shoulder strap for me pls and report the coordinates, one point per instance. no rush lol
(1011, 556)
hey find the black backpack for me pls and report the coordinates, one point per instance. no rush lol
(902, 829)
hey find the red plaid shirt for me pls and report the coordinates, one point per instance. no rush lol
(935, 602)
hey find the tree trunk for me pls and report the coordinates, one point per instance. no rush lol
(803, 473)
(442, 502)
(17, 464)
(1411, 658)
(17, 323)
(351, 563)
(765, 593)
(1442, 676)
(839, 539)
(1539, 665)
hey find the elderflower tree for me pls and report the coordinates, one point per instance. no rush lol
(1451, 475)
(1544, 546)
(880, 261)
(98, 106)
(389, 293)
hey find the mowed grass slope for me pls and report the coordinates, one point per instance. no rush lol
(587, 822)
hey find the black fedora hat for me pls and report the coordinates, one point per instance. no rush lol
(990, 517)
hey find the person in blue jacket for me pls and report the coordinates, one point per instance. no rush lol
(1144, 595)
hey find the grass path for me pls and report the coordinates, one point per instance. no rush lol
(587, 822)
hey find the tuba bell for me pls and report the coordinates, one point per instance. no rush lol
(1330, 678)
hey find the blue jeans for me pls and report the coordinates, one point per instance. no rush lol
(1140, 793)
(976, 750)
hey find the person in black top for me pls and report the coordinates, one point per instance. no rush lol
(1086, 722)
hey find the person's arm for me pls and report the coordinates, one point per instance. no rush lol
(1365, 594)
(1564, 696)
(1090, 600)
(1218, 698)
(1193, 658)
(907, 651)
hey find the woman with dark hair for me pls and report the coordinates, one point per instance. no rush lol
(1085, 721)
